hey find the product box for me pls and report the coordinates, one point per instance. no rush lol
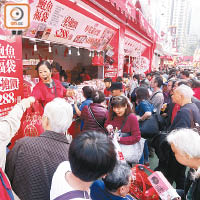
(163, 187)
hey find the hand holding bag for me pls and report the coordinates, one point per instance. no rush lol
(132, 153)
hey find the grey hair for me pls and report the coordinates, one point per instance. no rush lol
(60, 114)
(118, 177)
(185, 90)
(186, 140)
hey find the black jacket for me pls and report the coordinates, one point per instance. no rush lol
(193, 185)
(184, 117)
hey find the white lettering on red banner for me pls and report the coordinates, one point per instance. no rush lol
(11, 77)
(7, 52)
(7, 56)
(8, 84)
(7, 98)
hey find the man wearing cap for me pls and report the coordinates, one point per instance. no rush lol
(117, 90)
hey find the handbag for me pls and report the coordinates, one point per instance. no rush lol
(149, 127)
(92, 114)
(133, 152)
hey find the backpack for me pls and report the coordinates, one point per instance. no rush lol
(5, 188)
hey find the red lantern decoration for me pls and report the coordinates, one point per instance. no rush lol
(65, 52)
(98, 60)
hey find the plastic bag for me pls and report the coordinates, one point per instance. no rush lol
(141, 188)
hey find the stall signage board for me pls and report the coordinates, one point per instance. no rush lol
(51, 20)
(133, 48)
(140, 52)
(11, 73)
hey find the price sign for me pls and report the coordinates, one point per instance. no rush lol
(11, 75)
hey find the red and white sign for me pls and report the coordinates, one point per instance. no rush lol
(11, 76)
(133, 48)
(56, 22)
(141, 64)
(111, 59)
(140, 50)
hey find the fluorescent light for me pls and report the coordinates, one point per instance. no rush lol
(69, 51)
(50, 50)
(90, 54)
(78, 52)
(35, 47)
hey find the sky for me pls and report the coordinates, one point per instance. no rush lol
(195, 20)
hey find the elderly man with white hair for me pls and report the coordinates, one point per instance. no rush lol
(188, 112)
(185, 118)
(185, 145)
(31, 163)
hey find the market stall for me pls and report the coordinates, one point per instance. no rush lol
(97, 36)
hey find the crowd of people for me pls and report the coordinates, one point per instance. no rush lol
(51, 166)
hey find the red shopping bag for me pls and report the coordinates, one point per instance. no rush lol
(31, 124)
(141, 187)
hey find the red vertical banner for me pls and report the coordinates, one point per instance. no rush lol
(11, 72)
(121, 50)
(111, 57)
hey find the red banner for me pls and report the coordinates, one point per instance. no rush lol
(111, 58)
(146, 27)
(11, 73)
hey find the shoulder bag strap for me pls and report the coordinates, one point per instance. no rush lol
(154, 95)
(192, 119)
(124, 122)
(193, 122)
(92, 114)
(73, 195)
